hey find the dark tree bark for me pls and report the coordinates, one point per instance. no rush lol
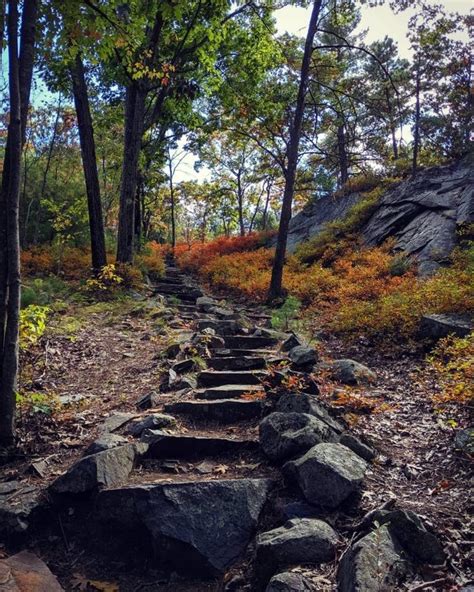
(392, 125)
(275, 291)
(416, 132)
(10, 229)
(342, 152)
(89, 163)
(134, 124)
(240, 204)
(172, 200)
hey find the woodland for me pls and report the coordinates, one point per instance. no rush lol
(257, 375)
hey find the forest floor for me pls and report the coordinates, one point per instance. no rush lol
(101, 358)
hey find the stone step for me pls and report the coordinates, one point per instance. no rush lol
(226, 352)
(173, 280)
(223, 411)
(186, 307)
(226, 377)
(200, 527)
(236, 363)
(175, 289)
(249, 342)
(228, 391)
(191, 446)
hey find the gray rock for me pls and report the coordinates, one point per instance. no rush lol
(352, 372)
(464, 440)
(299, 509)
(155, 421)
(357, 446)
(372, 564)
(290, 582)
(205, 303)
(183, 366)
(116, 421)
(148, 401)
(199, 527)
(327, 474)
(223, 313)
(436, 326)
(105, 442)
(19, 503)
(172, 350)
(423, 546)
(104, 469)
(301, 540)
(302, 355)
(304, 403)
(291, 342)
(283, 435)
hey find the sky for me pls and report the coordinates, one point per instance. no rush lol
(379, 22)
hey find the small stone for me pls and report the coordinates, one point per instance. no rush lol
(464, 440)
(302, 355)
(291, 342)
(172, 351)
(148, 401)
(283, 435)
(183, 366)
(205, 304)
(290, 582)
(409, 529)
(301, 540)
(361, 449)
(327, 474)
(352, 372)
(151, 422)
(372, 564)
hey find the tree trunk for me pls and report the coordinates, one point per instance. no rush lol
(89, 163)
(275, 290)
(134, 114)
(392, 125)
(240, 202)
(138, 213)
(10, 223)
(416, 134)
(172, 200)
(341, 148)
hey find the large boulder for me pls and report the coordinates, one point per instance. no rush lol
(19, 504)
(301, 540)
(104, 469)
(205, 304)
(154, 421)
(356, 445)
(105, 441)
(352, 372)
(25, 572)
(436, 326)
(303, 355)
(196, 527)
(327, 474)
(305, 403)
(283, 435)
(373, 563)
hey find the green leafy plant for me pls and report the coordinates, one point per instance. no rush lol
(282, 317)
(32, 324)
(46, 403)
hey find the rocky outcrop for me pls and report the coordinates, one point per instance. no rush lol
(422, 214)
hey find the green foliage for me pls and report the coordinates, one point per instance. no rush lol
(44, 403)
(32, 324)
(399, 265)
(42, 291)
(282, 317)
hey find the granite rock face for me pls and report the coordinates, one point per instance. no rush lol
(196, 527)
(422, 214)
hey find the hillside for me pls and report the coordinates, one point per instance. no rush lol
(422, 214)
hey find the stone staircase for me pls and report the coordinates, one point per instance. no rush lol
(220, 480)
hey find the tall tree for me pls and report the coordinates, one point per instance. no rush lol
(89, 162)
(275, 290)
(20, 68)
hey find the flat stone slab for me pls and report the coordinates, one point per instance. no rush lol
(25, 572)
(437, 326)
(224, 411)
(200, 527)
(226, 352)
(228, 391)
(236, 363)
(219, 378)
(162, 445)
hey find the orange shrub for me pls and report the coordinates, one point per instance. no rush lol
(152, 259)
(37, 261)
